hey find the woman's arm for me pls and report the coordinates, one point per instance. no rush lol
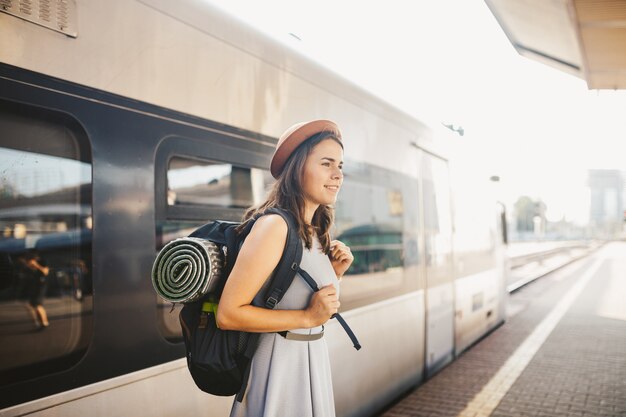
(259, 255)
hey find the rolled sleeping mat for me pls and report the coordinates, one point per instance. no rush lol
(186, 269)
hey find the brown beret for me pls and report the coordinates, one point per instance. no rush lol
(294, 136)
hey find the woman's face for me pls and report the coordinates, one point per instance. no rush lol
(322, 175)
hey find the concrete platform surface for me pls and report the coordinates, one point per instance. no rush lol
(561, 353)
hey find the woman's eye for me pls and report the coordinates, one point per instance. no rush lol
(326, 164)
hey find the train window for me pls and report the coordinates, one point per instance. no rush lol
(207, 190)
(267, 182)
(45, 243)
(378, 220)
(197, 182)
(437, 220)
(377, 216)
(474, 226)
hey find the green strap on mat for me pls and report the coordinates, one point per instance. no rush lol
(210, 307)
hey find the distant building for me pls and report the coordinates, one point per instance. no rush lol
(607, 202)
(530, 219)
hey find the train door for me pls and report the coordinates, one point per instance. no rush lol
(438, 263)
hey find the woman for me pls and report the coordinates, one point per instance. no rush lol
(292, 377)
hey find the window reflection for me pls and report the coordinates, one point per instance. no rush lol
(211, 186)
(370, 219)
(267, 183)
(437, 220)
(45, 245)
(376, 248)
(207, 183)
(377, 215)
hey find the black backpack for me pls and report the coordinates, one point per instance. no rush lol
(219, 360)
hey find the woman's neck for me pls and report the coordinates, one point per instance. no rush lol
(309, 211)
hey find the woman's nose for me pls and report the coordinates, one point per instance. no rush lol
(337, 174)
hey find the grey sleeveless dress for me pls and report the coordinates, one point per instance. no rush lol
(291, 378)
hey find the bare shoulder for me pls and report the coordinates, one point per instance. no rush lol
(269, 232)
(271, 223)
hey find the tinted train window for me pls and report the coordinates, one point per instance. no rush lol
(45, 243)
(377, 216)
(208, 183)
(205, 187)
(437, 220)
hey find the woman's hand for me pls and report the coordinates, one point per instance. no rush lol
(322, 306)
(340, 257)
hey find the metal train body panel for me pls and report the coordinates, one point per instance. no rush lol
(148, 88)
(204, 63)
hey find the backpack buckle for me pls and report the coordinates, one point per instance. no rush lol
(271, 302)
(294, 266)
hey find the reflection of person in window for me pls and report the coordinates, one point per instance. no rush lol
(78, 269)
(36, 286)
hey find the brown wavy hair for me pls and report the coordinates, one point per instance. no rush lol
(287, 194)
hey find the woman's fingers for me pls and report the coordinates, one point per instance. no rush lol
(339, 251)
(335, 244)
(329, 287)
(333, 307)
(342, 257)
(324, 304)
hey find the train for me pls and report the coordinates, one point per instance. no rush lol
(128, 123)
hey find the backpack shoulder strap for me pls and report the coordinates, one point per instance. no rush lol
(287, 266)
(311, 283)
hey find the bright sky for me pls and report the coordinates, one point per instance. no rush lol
(448, 60)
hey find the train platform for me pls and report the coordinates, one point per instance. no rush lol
(561, 352)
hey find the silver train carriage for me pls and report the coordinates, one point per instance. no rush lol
(125, 124)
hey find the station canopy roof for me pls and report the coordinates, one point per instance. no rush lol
(586, 38)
